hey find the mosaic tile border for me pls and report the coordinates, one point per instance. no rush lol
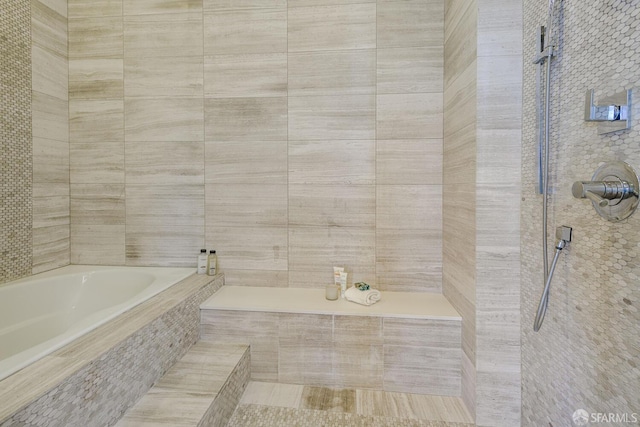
(15, 135)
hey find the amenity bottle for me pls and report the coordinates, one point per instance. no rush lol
(212, 263)
(202, 262)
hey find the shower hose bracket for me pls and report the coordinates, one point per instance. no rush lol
(612, 114)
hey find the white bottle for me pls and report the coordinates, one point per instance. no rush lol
(212, 263)
(202, 262)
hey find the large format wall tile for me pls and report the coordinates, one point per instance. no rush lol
(163, 76)
(332, 117)
(238, 119)
(246, 205)
(416, 207)
(213, 5)
(305, 349)
(409, 161)
(358, 352)
(100, 37)
(165, 224)
(50, 247)
(499, 29)
(50, 161)
(258, 329)
(170, 34)
(409, 345)
(346, 72)
(52, 210)
(410, 23)
(246, 162)
(98, 244)
(92, 163)
(50, 117)
(152, 7)
(299, 3)
(269, 278)
(94, 8)
(248, 75)
(98, 224)
(320, 248)
(48, 28)
(163, 119)
(96, 78)
(409, 260)
(429, 370)
(410, 70)
(461, 46)
(50, 73)
(243, 31)
(96, 120)
(97, 204)
(332, 162)
(332, 205)
(409, 116)
(351, 26)
(164, 163)
(251, 248)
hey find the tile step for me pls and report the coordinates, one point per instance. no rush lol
(201, 389)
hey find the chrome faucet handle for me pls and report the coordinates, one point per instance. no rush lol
(596, 191)
(596, 199)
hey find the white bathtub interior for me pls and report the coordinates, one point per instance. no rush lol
(44, 312)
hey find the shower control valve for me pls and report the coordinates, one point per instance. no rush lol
(603, 193)
(613, 190)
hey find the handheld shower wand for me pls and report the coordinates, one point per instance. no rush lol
(548, 37)
(564, 237)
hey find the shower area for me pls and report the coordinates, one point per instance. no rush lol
(394, 137)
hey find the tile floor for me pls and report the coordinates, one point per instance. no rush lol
(287, 405)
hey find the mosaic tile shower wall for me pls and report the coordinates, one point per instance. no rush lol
(15, 133)
(586, 354)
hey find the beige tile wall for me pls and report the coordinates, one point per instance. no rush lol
(482, 128)
(51, 128)
(290, 137)
(96, 121)
(498, 177)
(392, 354)
(459, 177)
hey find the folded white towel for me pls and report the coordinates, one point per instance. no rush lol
(369, 297)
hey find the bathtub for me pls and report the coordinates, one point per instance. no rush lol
(44, 312)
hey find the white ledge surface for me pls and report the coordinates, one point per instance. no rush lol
(416, 305)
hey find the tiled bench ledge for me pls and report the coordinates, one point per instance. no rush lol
(201, 389)
(408, 342)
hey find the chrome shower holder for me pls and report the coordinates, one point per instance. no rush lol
(612, 115)
(613, 190)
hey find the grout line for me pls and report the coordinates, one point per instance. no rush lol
(204, 134)
(124, 137)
